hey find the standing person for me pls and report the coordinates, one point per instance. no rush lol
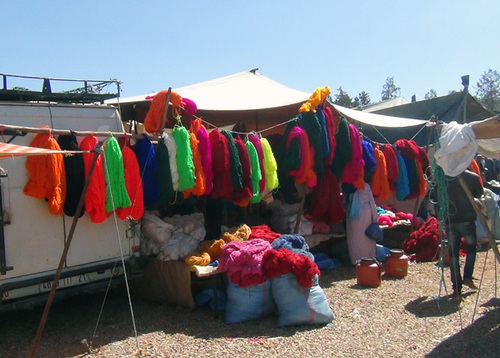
(362, 212)
(462, 223)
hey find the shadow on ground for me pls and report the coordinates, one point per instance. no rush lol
(480, 339)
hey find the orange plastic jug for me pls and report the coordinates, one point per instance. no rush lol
(369, 272)
(396, 263)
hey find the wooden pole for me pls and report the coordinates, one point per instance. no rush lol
(481, 217)
(97, 151)
(68, 132)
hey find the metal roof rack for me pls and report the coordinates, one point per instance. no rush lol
(90, 91)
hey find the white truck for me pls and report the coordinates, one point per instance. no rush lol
(31, 239)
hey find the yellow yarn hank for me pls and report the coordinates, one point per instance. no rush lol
(270, 165)
(315, 100)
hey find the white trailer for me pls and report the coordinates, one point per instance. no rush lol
(31, 239)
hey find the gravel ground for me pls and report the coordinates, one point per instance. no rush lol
(408, 317)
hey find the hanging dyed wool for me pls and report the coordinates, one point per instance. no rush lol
(309, 121)
(392, 165)
(199, 181)
(325, 142)
(172, 153)
(326, 202)
(331, 131)
(380, 183)
(256, 174)
(95, 199)
(223, 187)
(305, 173)
(402, 184)
(46, 174)
(353, 172)
(184, 158)
(410, 150)
(154, 117)
(148, 165)
(289, 153)
(270, 165)
(116, 193)
(133, 182)
(368, 156)
(164, 175)
(234, 162)
(205, 152)
(343, 156)
(75, 174)
(318, 97)
(242, 196)
(255, 139)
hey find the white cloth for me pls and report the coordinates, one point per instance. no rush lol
(458, 146)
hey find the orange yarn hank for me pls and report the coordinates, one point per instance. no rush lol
(154, 117)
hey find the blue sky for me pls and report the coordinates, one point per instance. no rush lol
(153, 45)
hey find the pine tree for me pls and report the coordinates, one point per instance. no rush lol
(488, 90)
(389, 90)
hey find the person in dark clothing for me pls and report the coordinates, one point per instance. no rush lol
(462, 223)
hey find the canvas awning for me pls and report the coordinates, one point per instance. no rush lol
(378, 120)
(248, 90)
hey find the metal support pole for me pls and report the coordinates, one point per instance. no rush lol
(97, 151)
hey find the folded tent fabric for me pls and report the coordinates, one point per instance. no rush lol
(46, 174)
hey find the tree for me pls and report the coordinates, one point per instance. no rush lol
(342, 98)
(364, 98)
(488, 90)
(389, 90)
(431, 94)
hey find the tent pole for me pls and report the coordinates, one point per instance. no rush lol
(97, 151)
(480, 215)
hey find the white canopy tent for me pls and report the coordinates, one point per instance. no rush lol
(251, 98)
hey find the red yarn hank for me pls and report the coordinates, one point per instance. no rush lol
(282, 261)
(263, 232)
